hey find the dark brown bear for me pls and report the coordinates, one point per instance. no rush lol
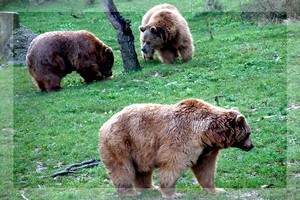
(173, 138)
(53, 55)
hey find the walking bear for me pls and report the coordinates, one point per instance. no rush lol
(53, 55)
(166, 31)
(173, 138)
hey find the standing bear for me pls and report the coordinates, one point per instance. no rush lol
(164, 30)
(173, 138)
(53, 55)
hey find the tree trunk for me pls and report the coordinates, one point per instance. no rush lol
(125, 36)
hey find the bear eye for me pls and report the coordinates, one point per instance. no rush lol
(245, 133)
(147, 42)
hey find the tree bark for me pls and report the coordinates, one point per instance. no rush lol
(125, 36)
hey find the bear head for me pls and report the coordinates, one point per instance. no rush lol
(106, 67)
(152, 39)
(100, 70)
(242, 133)
(227, 129)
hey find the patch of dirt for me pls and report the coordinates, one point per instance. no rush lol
(249, 195)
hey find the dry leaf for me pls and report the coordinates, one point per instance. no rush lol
(265, 117)
(267, 186)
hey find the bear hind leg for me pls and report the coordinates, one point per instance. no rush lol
(168, 177)
(123, 178)
(143, 180)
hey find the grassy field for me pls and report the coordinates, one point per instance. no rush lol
(248, 65)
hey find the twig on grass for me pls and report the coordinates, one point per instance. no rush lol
(210, 31)
(72, 168)
(23, 195)
(217, 99)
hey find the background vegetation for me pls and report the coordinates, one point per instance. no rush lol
(249, 64)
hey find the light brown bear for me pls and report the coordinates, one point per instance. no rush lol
(53, 55)
(189, 134)
(164, 30)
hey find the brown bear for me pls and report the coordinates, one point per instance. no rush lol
(53, 55)
(189, 134)
(166, 31)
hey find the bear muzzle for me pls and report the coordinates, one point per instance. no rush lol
(247, 145)
(144, 50)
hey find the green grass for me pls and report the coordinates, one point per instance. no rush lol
(6, 131)
(293, 72)
(254, 68)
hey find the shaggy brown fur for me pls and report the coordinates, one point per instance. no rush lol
(53, 55)
(164, 30)
(150, 12)
(188, 134)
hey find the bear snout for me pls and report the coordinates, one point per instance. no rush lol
(248, 145)
(144, 50)
(245, 145)
(248, 148)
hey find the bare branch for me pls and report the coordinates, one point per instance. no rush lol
(72, 168)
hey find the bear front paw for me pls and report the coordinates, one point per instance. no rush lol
(127, 192)
(109, 77)
(215, 190)
(174, 196)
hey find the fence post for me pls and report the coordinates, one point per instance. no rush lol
(9, 21)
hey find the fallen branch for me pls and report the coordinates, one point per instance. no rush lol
(72, 168)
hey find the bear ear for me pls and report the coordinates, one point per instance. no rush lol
(142, 28)
(153, 29)
(109, 56)
(108, 50)
(240, 119)
(235, 109)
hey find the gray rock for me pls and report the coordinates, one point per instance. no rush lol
(14, 39)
